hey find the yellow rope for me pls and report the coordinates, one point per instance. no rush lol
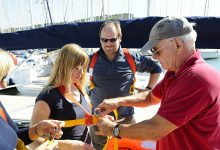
(115, 139)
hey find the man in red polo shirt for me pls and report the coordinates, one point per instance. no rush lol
(189, 113)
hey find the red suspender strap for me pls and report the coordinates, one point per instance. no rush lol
(91, 67)
(132, 66)
(2, 114)
(127, 55)
(130, 60)
(92, 63)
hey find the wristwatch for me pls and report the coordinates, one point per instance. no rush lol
(116, 131)
(148, 88)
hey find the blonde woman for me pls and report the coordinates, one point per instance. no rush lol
(67, 77)
(5, 63)
(9, 132)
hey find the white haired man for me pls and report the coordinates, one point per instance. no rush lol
(189, 113)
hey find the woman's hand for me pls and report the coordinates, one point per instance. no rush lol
(47, 128)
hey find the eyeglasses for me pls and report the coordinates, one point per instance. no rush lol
(157, 51)
(113, 40)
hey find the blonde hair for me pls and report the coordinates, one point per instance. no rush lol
(69, 57)
(5, 63)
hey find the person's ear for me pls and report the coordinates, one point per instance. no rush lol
(179, 44)
(119, 39)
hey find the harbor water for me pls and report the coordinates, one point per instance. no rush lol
(214, 62)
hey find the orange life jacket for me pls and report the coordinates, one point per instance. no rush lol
(89, 118)
(130, 62)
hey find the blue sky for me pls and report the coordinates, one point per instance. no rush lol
(16, 13)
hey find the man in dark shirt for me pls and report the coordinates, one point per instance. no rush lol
(112, 75)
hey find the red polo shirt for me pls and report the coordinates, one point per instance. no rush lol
(191, 100)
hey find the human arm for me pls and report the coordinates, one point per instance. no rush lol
(45, 127)
(3, 84)
(152, 129)
(46, 146)
(153, 79)
(65, 145)
(147, 65)
(74, 144)
(52, 127)
(40, 112)
(142, 99)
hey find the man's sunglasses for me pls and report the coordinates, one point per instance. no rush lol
(110, 40)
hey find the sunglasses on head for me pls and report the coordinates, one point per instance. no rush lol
(110, 40)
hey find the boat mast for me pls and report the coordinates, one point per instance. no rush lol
(92, 19)
(102, 11)
(206, 8)
(30, 11)
(48, 8)
(65, 13)
(129, 15)
(148, 7)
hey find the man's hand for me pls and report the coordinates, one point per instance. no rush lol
(105, 126)
(108, 105)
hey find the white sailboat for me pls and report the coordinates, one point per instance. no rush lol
(30, 76)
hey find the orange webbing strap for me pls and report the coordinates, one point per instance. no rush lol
(110, 138)
(124, 143)
(82, 121)
(91, 67)
(89, 118)
(2, 114)
(133, 67)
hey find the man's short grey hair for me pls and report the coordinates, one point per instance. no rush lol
(189, 40)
